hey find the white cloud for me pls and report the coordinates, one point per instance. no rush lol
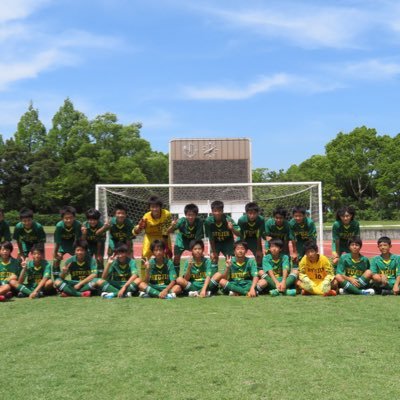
(18, 9)
(374, 69)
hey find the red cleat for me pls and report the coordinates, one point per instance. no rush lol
(8, 295)
(87, 293)
(305, 293)
(62, 294)
(2, 298)
(330, 293)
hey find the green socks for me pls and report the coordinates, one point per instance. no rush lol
(23, 289)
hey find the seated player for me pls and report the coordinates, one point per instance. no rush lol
(190, 227)
(197, 273)
(120, 228)
(27, 233)
(316, 272)
(37, 273)
(121, 272)
(90, 229)
(67, 232)
(160, 275)
(275, 274)
(343, 229)
(220, 229)
(385, 268)
(83, 272)
(240, 276)
(252, 229)
(5, 234)
(9, 271)
(303, 229)
(353, 273)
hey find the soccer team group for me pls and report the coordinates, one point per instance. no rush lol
(288, 263)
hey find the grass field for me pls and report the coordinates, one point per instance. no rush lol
(216, 348)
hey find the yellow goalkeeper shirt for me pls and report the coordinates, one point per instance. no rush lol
(316, 271)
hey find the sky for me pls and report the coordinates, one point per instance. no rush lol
(288, 75)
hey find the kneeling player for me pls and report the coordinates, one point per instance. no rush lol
(9, 271)
(197, 273)
(121, 272)
(316, 272)
(240, 276)
(275, 273)
(160, 274)
(353, 273)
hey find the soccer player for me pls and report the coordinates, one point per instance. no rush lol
(343, 229)
(160, 274)
(9, 271)
(67, 232)
(240, 276)
(90, 229)
(386, 268)
(252, 229)
(83, 272)
(220, 229)
(197, 273)
(303, 229)
(37, 273)
(275, 274)
(278, 227)
(27, 233)
(190, 227)
(120, 227)
(121, 272)
(316, 272)
(353, 273)
(5, 234)
(155, 224)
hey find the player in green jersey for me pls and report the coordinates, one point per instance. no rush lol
(353, 272)
(197, 273)
(278, 227)
(83, 273)
(190, 227)
(220, 229)
(27, 233)
(121, 272)
(343, 229)
(9, 271)
(120, 229)
(67, 232)
(252, 230)
(240, 276)
(275, 275)
(37, 273)
(385, 268)
(303, 229)
(5, 234)
(160, 274)
(90, 229)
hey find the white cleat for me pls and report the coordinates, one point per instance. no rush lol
(368, 292)
(193, 293)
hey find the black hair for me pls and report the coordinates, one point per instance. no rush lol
(195, 242)
(241, 243)
(191, 208)
(156, 201)
(81, 243)
(346, 209)
(120, 206)
(355, 239)
(384, 239)
(310, 245)
(299, 209)
(38, 247)
(276, 242)
(92, 213)
(25, 213)
(252, 206)
(280, 211)
(7, 245)
(67, 210)
(121, 248)
(157, 244)
(217, 204)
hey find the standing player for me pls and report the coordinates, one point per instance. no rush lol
(190, 227)
(343, 229)
(9, 271)
(5, 234)
(252, 229)
(353, 273)
(27, 233)
(220, 229)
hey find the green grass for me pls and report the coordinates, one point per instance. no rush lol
(217, 348)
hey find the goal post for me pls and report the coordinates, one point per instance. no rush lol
(269, 196)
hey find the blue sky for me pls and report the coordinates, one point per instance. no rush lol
(289, 75)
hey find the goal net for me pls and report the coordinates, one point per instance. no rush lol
(235, 196)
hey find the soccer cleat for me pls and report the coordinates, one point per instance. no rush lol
(129, 294)
(2, 298)
(342, 291)
(144, 295)
(62, 294)
(386, 292)
(208, 293)
(305, 293)
(106, 295)
(8, 295)
(291, 292)
(86, 293)
(21, 295)
(368, 292)
(193, 293)
(330, 293)
(170, 296)
(274, 292)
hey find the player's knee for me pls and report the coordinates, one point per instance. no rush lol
(223, 282)
(339, 278)
(217, 276)
(181, 281)
(142, 286)
(176, 289)
(57, 283)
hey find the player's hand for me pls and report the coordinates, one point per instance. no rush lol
(295, 258)
(282, 286)
(33, 295)
(77, 286)
(112, 257)
(203, 293)
(23, 263)
(146, 263)
(354, 282)
(228, 261)
(384, 280)
(335, 260)
(252, 293)
(396, 289)
(59, 256)
(107, 222)
(173, 223)
(142, 224)
(163, 294)
(83, 230)
(121, 293)
(230, 225)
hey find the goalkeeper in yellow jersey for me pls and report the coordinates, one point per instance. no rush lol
(316, 272)
(155, 224)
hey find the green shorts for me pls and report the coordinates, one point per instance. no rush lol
(84, 288)
(27, 247)
(66, 248)
(244, 284)
(252, 245)
(226, 248)
(160, 288)
(92, 248)
(181, 244)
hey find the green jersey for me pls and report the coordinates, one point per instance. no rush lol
(349, 267)
(343, 233)
(246, 270)
(121, 233)
(303, 232)
(35, 273)
(390, 268)
(91, 236)
(219, 232)
(29, 237)
(9, 268)
(162, 274)
(63, 234)
(199, 272)
(81, 270)
(278, 232)
(277, 266)
(122, 272)
(188, 232)
(5, 234)
(251, 230)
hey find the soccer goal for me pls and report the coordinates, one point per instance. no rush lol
(234, 195)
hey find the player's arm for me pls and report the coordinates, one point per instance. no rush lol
(285, 273)
(147, 270)
(376, 273)
(104, 228)
(140, 226)
(173, 226)
(85, 281)
(39, 287)
(106, 270)
(396, 285)
(233, 226)
(341, 271)
(84, 232)
(21, 277)
(253, 267)
(188, 271)
(65, 270)
(228, 265)
(335, 243)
